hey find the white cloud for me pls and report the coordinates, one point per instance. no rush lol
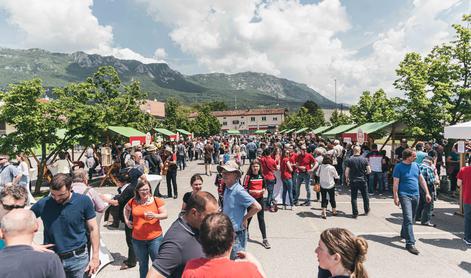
(160, 54)
(300, 42)
(64, 26)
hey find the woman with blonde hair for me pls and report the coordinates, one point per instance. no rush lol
(342, 253)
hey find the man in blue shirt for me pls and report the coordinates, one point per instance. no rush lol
(238, 205)
(65, 216)
(406, 179)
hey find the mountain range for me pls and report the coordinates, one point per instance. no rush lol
(244, 90)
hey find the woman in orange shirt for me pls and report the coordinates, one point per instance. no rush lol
(142, 214)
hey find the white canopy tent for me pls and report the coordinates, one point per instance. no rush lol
(458, 131)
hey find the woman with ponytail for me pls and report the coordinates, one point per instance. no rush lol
(342, 253)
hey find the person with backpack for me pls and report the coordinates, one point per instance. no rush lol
(255, 184)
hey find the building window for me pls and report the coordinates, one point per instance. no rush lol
(223, 118)
(236, 122)
(224, 123)
(252, 119)
(264, 118)
(275, 118)
(242, 123)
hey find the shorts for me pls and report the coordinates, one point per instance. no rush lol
(207, 160)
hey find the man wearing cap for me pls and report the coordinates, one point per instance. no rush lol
(305, 163)
(125, 155)
(238, 205)
(153, 160)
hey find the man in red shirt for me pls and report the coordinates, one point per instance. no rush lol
(464, 181)
(305, 163)
(217, 238)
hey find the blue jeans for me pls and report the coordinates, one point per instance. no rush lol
(294, 179)
(75, 266)
(181, 162)
(240, 242)
(287, 189)
(270, 186)
(144, 249)
(467, 221)
(379, 178)
(409, 208)
(306, 178)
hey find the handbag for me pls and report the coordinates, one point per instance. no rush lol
(317, 186)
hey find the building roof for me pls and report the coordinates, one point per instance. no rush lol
(154, 108)
(245, 112)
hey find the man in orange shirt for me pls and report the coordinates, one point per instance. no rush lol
(217, 238)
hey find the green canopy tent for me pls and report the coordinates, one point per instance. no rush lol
(261, 131)
(338, 130)
(376, 130)
(233, 132)
(290, 130)
(132, 134)
(184, 132)
(319, 130)
(165, 132)
(301, 130)
(282, 131)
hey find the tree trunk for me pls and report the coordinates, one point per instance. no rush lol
(41, 170)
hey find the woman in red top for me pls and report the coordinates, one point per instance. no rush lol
(254, 183)
(146, 211)
(269, 167)
(286, 177)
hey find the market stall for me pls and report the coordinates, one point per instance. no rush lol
(166, 133)
(459, 131)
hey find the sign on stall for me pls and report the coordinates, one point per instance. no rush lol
(135, 143)
(347, 140)
(461, 148)
(360, 136)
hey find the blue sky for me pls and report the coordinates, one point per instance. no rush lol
(357, 42)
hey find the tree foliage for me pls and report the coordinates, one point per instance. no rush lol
(309, 115)
(339, 118)
(205, 124)
(84, 109)
(374, 108)
(437, 86)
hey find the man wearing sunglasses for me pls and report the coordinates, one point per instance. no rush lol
(11, 197)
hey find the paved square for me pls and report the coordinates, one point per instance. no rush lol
(294, 236)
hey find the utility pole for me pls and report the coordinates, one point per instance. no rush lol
(335, 92)
(235, 102)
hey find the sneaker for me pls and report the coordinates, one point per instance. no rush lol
(293, 207)
(411, 248)
(354, 216)
(428, 224)
(266, 244)
(468, 242)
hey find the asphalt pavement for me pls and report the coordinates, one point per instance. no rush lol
(294, 236)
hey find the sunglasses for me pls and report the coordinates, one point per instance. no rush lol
(12, 207)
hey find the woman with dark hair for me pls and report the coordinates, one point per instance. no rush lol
(269, 166)
(342, 253)
(286, 177)
(146, 211)
(327, 176)
(255, 184)
(196, 182)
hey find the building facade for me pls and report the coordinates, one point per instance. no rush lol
(250, 120)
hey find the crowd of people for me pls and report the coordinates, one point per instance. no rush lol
(209, 236)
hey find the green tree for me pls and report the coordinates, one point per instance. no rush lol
(302, 118)
(205, 124)
(339, 118)
(176, 116)
(437, 87)
(315, 111)
(36, 122)
(374, 108)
